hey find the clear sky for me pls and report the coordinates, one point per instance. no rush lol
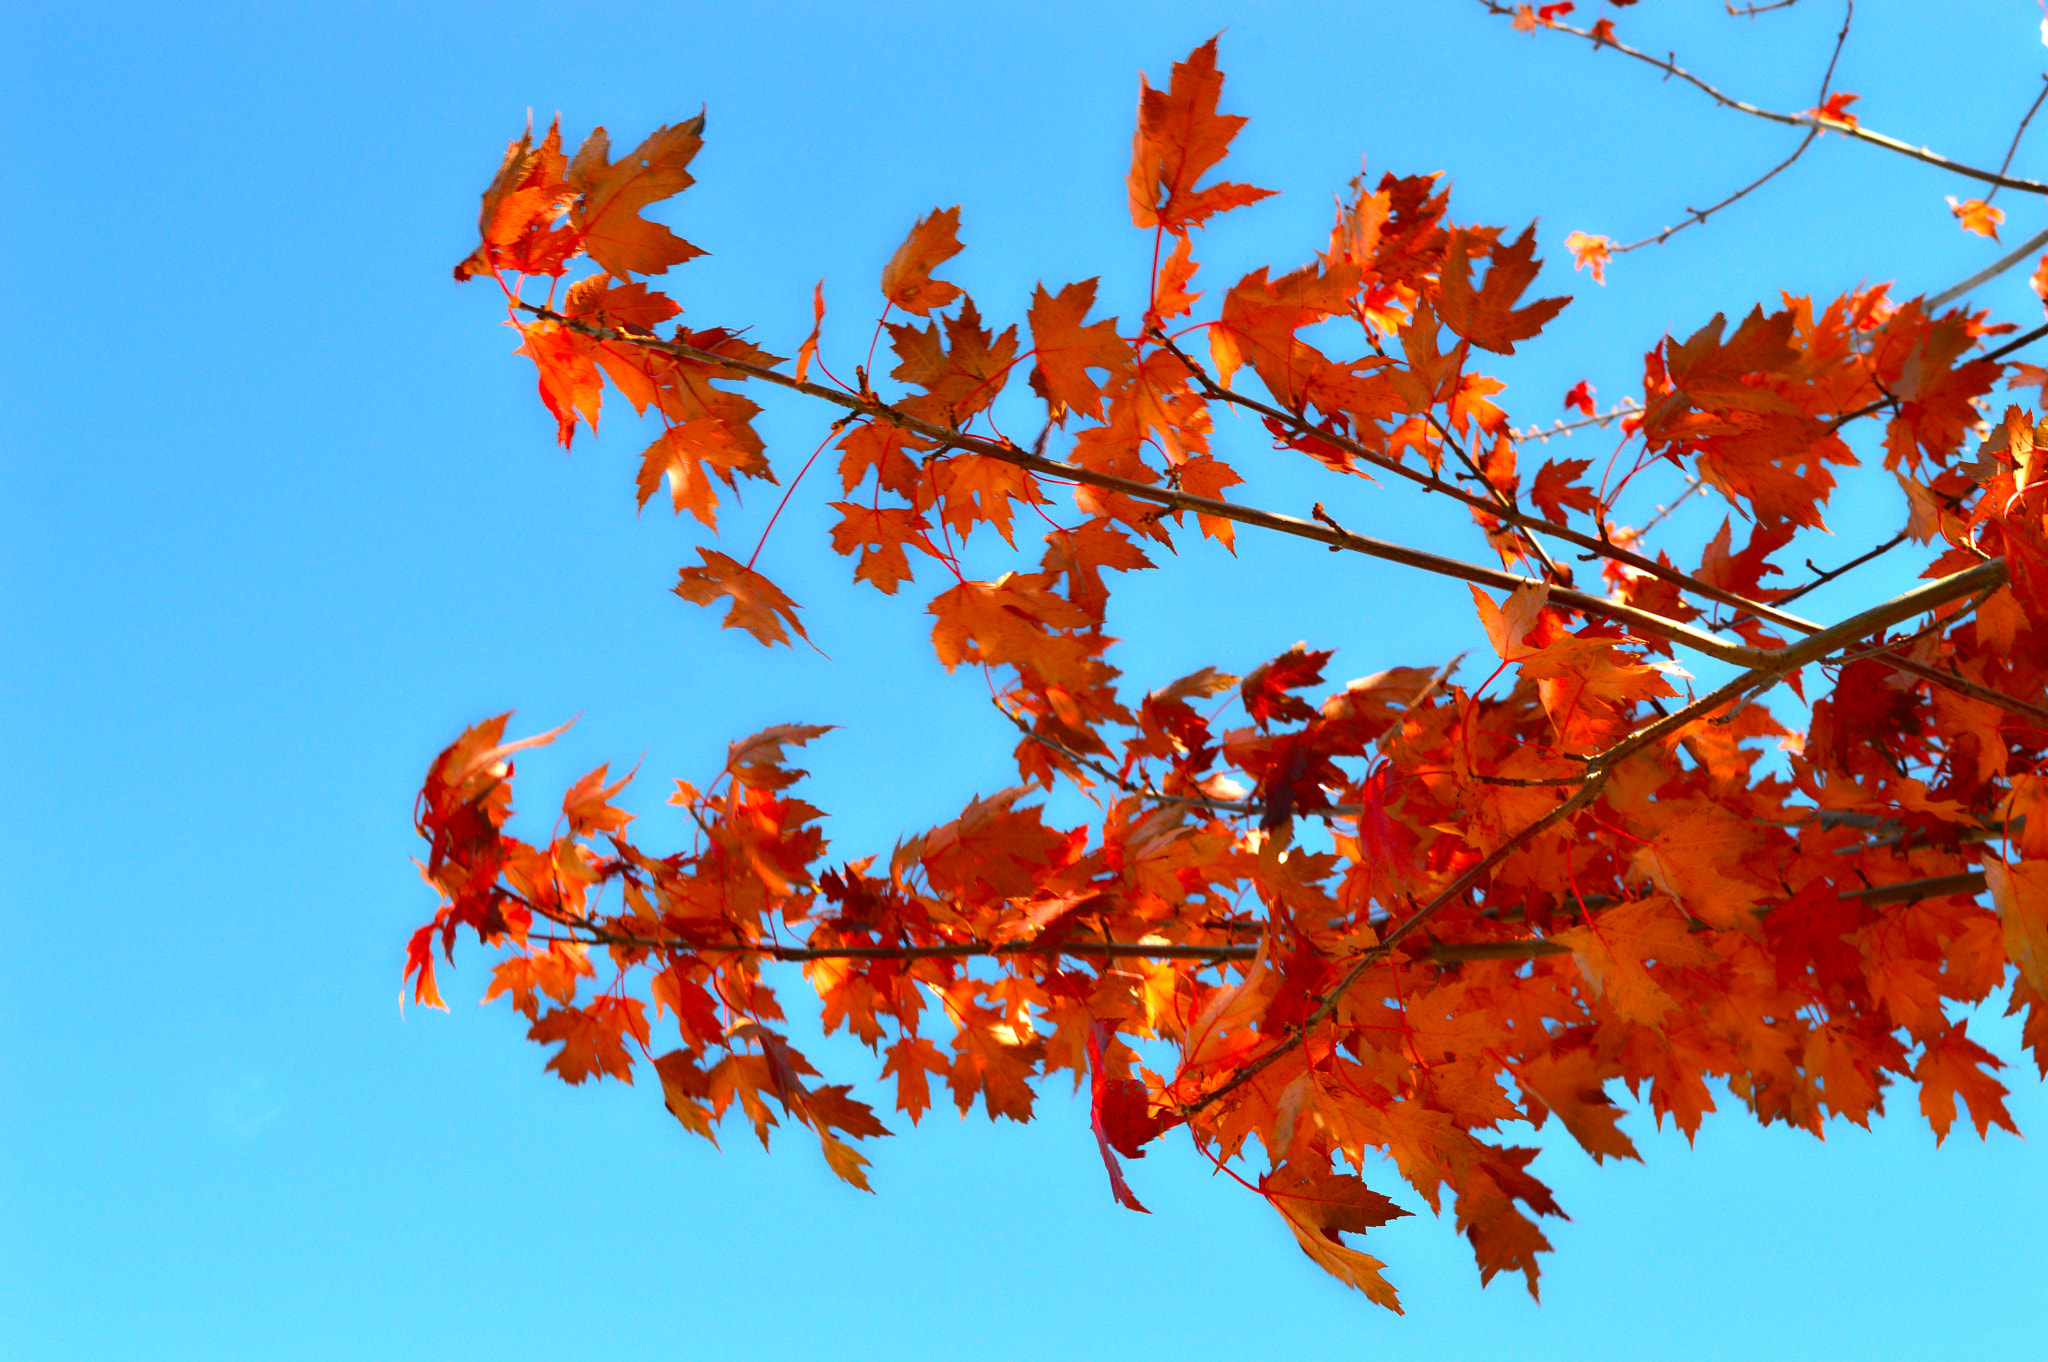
(280, 514)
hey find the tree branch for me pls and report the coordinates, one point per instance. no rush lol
(1606, 548)
(1670, 67)
(1173, 499)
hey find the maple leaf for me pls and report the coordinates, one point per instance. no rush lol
(1835, 110)
(1698, 860)
(627, 306)
(1170, 296)
(1207, 477)
(911, 1059)
(1119, 1112)
(569, 381)
(1581, 397)
(880, 533)
(1180, 138)
(757, 760)
(1319, 1206)
(593, 1039)
(1571, 1084)
(1264, 688)
(587, 804)
(758, 605)
(1590, 253)
(1615, 951)
(907, 278)
(809, 349)
(1066, 349)
(1977, 216)
(2020, 893)
(962, 374)
(1013, 619)
(610, 195)
(1952, 1065)
(845, 1162)
(1489, 318)
(1508, 626)
(526, 195)
(1557, 487)
(684, 1088)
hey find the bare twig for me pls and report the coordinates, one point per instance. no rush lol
(1696, 216)
(1604, 547)
(2018, 255)
(2018, 133)
(1855, 131)
(1825, 575)
(1628, 406)
(2018, 342)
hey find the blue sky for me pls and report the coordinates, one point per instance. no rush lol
(280, 514)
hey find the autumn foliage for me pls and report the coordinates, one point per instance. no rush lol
(1316, 920)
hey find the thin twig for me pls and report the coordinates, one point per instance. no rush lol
(1826, 575)
(1856, 131)
(1696, 216)
(2018, 342)
(1173, 499)
(1626, 407)
(1606, 548)
(2017, 256)
(2018, 133)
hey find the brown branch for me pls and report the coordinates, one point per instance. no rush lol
(2019, 132)
(1670, 67)
(1442, 952)
(1628, 406)
(2017, 342)
(1826, 575)
(1912, 891)
(2018, 255)
(1604, 547)
(1781, 661)
(1696, 216)
(1173, 499)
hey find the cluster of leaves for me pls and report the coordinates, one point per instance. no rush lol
(1526, 889)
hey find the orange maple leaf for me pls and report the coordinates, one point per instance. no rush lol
(1180, 137)
(758, 605)
(524, 197)
(1557, 486)
(593, 1038)
(1954, 1064)
(880, 533)
(1489, 317)
(1319, 1206)
(1590, 252)
(626, 307)
(1836, 110)
(587, 804)
(569, 382)
(907, 278)
(611, 195)
(1977, 216)
(1067, 350)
